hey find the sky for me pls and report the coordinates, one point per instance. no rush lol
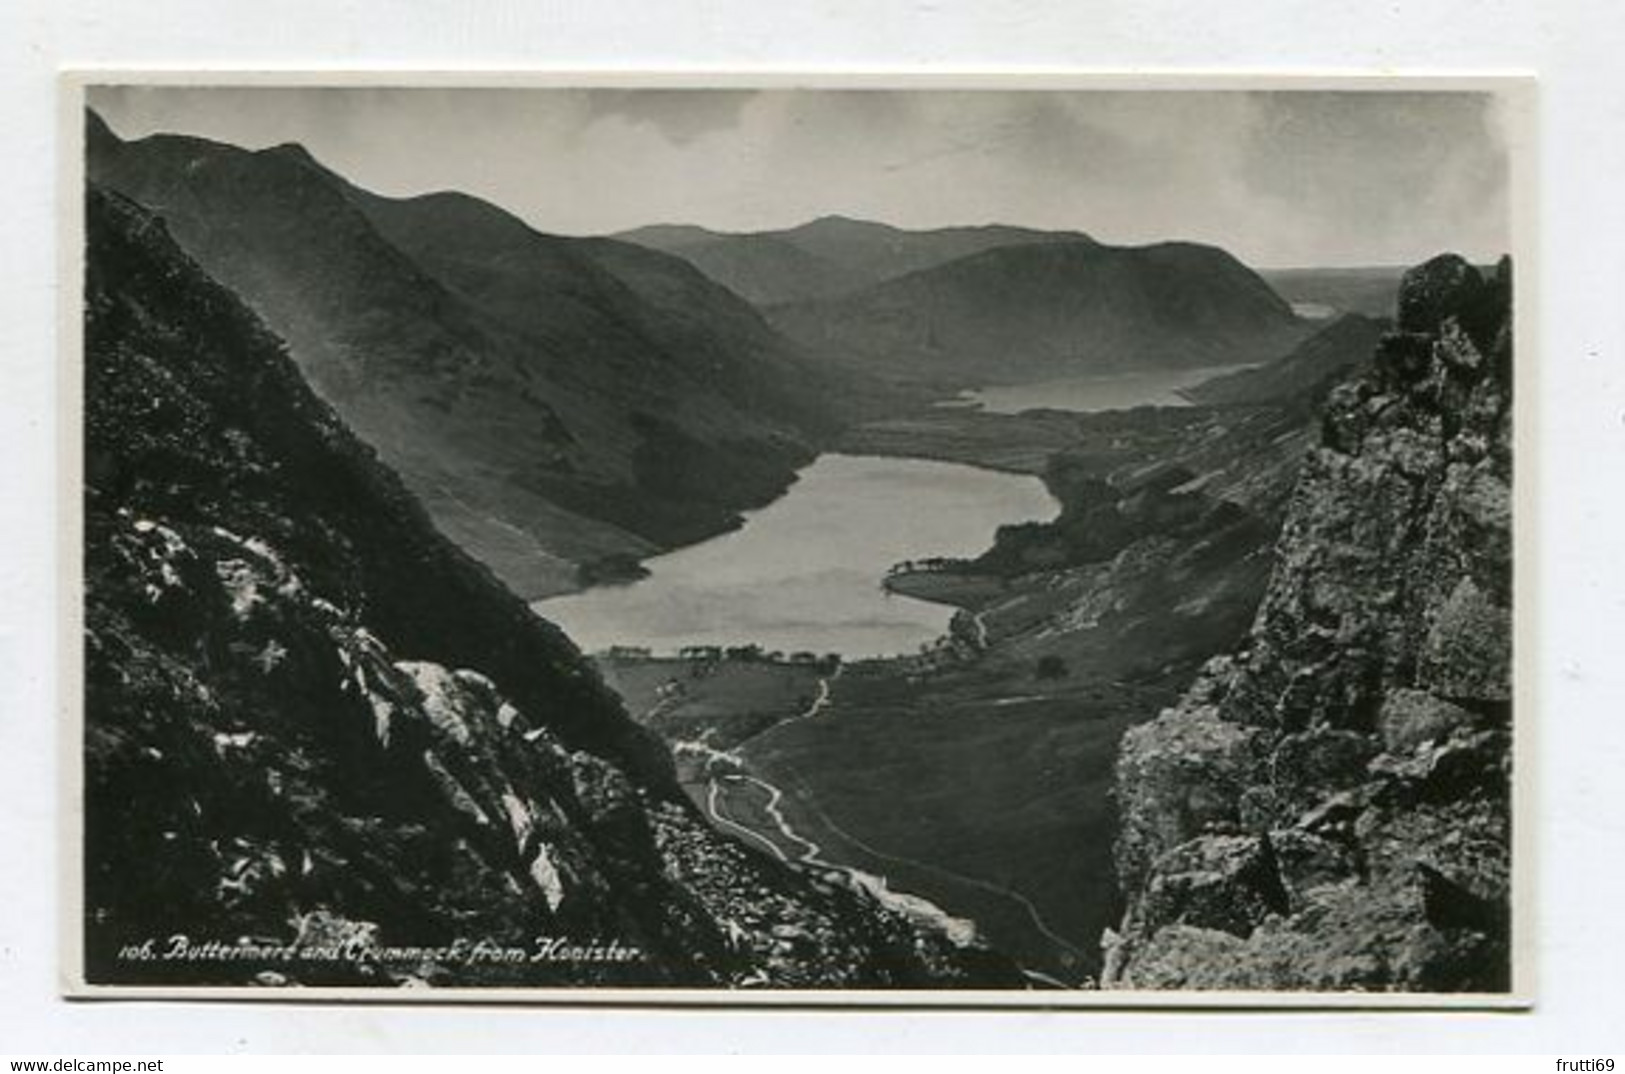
(1278, 178)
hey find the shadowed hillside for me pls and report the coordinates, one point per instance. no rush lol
(1049, 310)
(537, 393)
(1312, 365)
(313, 724)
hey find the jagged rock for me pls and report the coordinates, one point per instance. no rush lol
(1304, 767)
(1346, 941)
(1337, 815)
(1457, 350)
(1258, 809)
(1467, 764)
(1176, 776)
(1306, 862)
(1434, 290)
(1450, 905)
(1224, 882)
(1214, 681)
(608, 799)
(1405, 356)
(1411, 717)
(1183, 956)
(1376, 681)
(1468, 651)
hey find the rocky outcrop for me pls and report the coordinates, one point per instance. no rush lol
(323, 746)
(1329, 808)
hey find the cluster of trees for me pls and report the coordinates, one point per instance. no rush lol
(757, 654)
(1051, 667)
(928, 565)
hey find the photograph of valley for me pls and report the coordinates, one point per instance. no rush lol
(1031, 542)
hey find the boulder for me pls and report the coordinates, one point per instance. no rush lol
(1306, 862)
(1436, 289)
(1411, 717)
(1375, 793)
(1223, 882)
(1176, 777)
(1307, 767)
(1184, 957)
(1468, 649)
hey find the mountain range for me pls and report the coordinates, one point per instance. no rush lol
(826, 257)
(994, 304)
(566, 407)
(556, 403)
(335, 440)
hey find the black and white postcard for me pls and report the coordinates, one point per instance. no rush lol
(846, 540)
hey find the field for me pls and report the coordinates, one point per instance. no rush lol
(963, 787)
(992, 767)
(724, 700)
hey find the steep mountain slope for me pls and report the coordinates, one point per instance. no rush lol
(828, 256)
(762, 268)
(1367, 291)
(538, 393)
(1328, 809)
(1326, 356)
(1049, 310)
(324, 746)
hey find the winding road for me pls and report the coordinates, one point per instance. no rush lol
(1026, 904)
(788, 845)
(820, 700)
(712, 756)
(981, 629)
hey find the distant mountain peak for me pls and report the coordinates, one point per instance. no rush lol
(830, 255)
(837, 220)
(292, 151)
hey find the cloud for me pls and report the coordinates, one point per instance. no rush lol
(1278, 178)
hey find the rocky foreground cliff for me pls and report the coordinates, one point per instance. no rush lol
(324, 746)
(1328, 809)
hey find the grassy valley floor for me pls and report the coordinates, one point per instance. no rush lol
(955, 786)
(977, 775)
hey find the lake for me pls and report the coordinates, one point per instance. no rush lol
(803, 573)
(1091, 394)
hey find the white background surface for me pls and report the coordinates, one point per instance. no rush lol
(1577, 48)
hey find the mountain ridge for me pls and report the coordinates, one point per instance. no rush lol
(827, 256)
(1051, 309)
(516, 387)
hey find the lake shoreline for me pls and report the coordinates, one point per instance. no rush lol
(805, 573)
(989, 683)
